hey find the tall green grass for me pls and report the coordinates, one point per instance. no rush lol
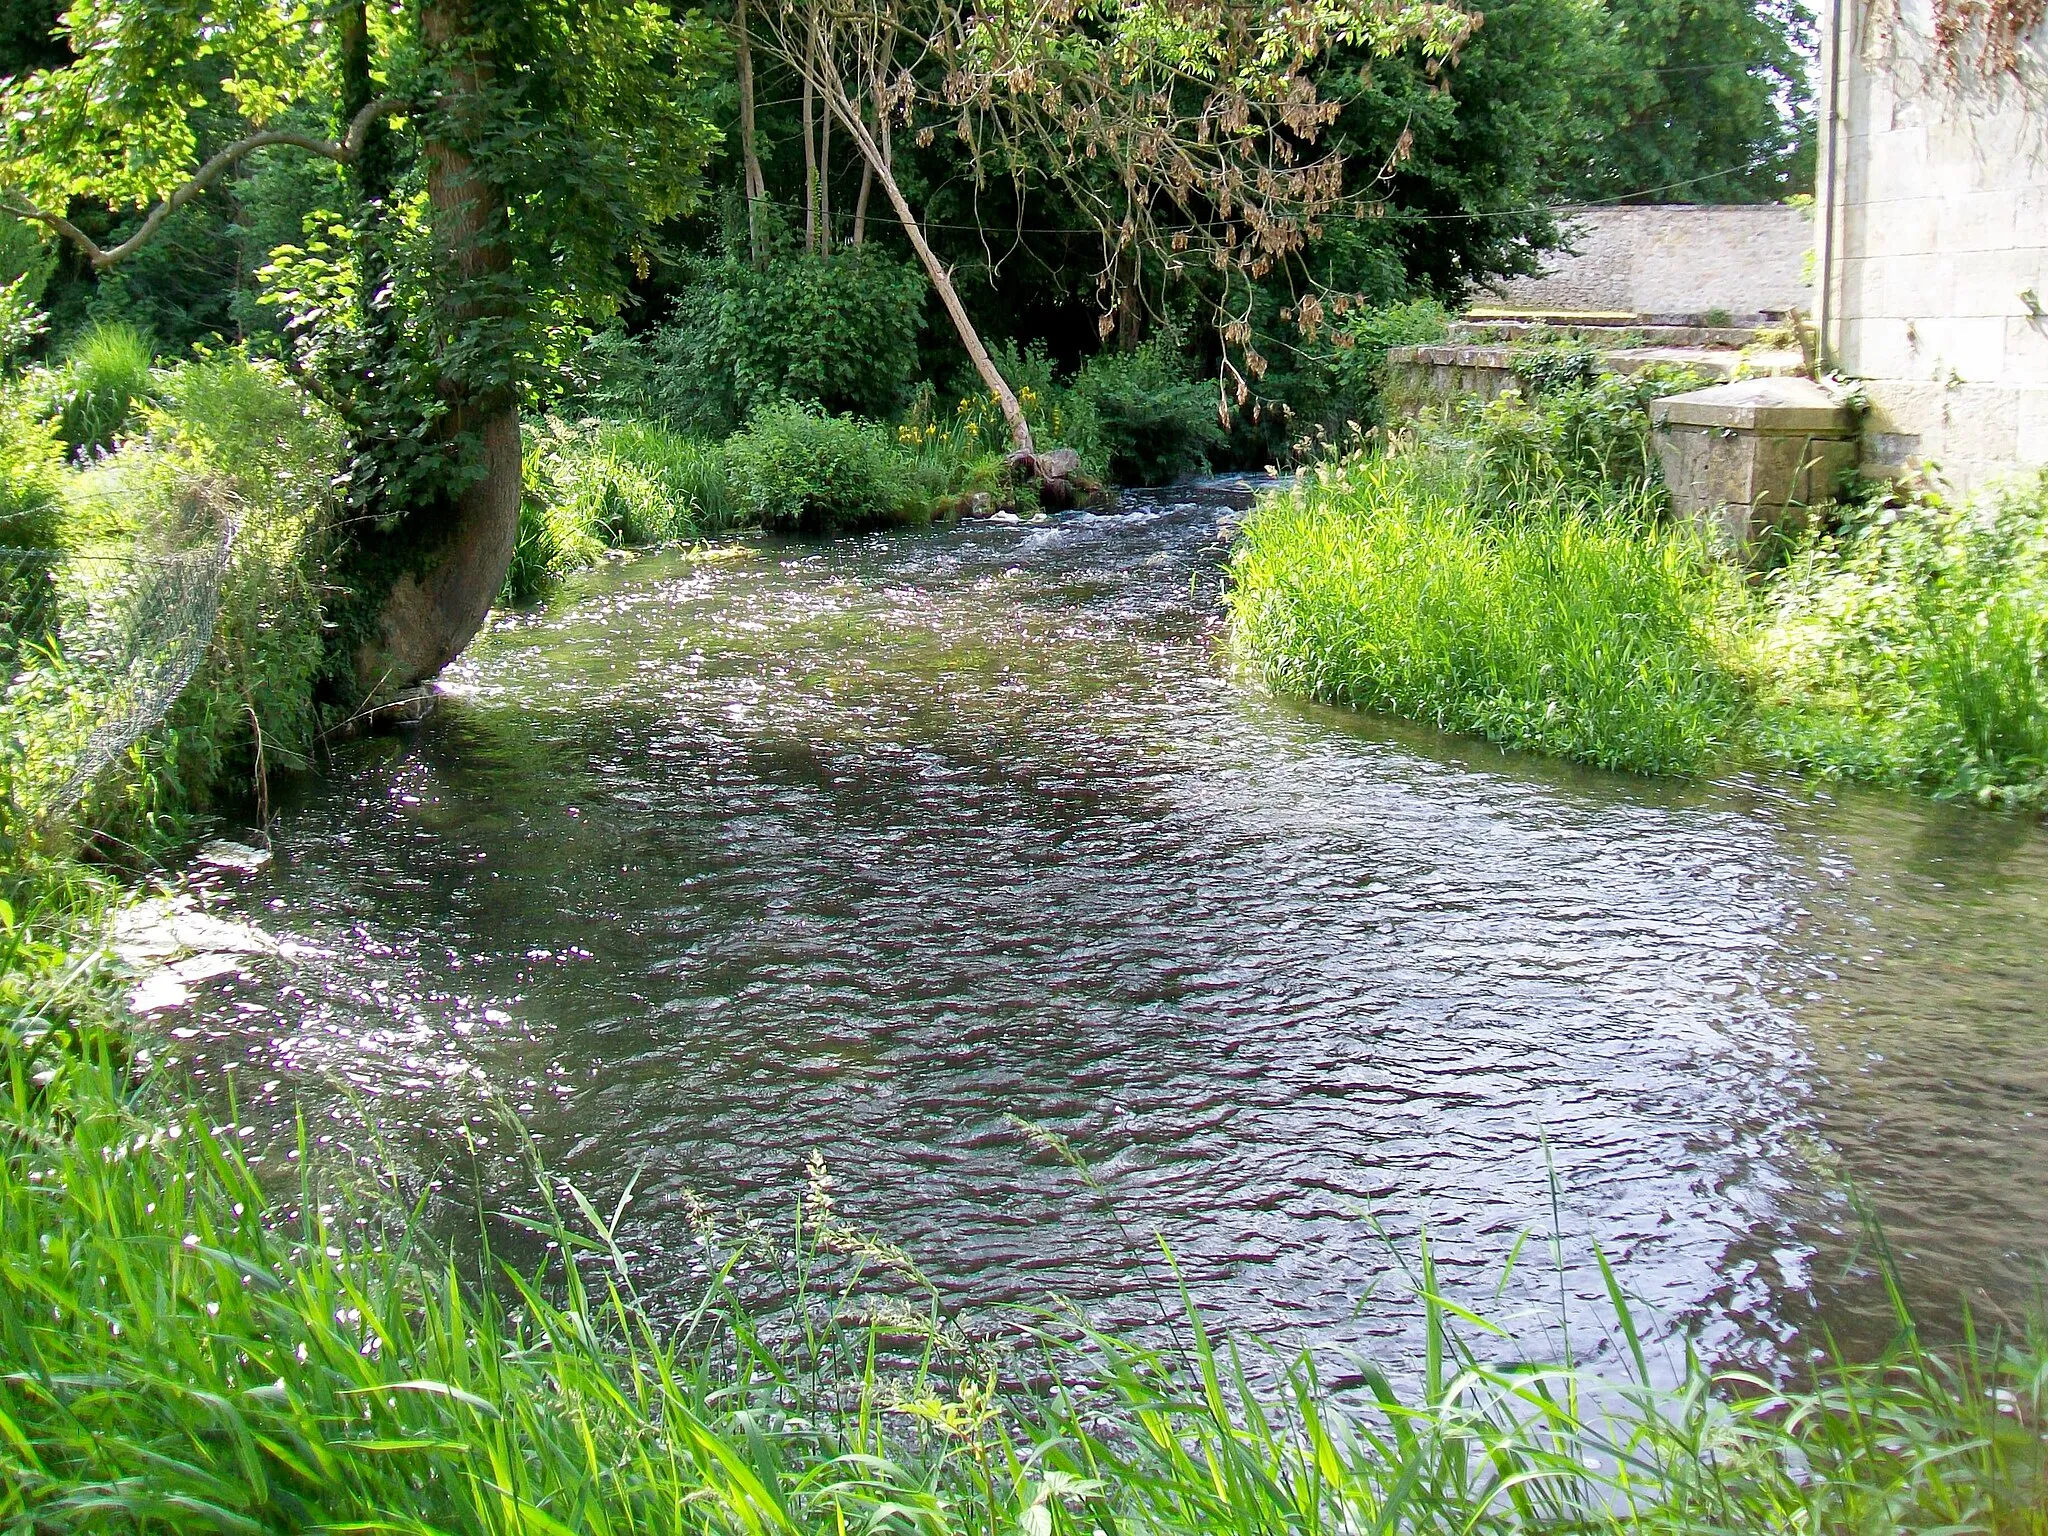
(1911, 646)
(598, 485)
(223, 441)
(104, 378)
(1574, 626)
(189, 1344)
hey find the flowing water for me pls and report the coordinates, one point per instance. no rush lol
(881, 848)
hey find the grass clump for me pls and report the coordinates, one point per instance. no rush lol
(1510, 571)
(1571, 627)
(105, 377)
(1910, 645)
(594, 485)
(194, 670)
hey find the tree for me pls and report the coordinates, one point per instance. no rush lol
(1694, 101)
(507, 157)
(1184, 131)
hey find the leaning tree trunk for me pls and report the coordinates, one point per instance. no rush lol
(942, 278)
(451, 557)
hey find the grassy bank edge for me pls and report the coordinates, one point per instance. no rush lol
(1907, 645)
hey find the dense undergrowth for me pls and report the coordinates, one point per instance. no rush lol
(1512, 572)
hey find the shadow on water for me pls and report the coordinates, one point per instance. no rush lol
(869, 848)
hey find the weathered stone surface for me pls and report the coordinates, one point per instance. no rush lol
(1674, 259)
(1427, 375)
(1059, 464)
(1934, 197)
(1752, 455)
(1758, 405)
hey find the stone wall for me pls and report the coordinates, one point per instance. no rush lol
(1935, 205)
(1677, 260)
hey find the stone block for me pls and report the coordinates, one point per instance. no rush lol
(1743, 457)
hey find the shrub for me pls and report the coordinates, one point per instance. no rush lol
(1155, 424)
(1912, 646)
(1587, 439)
(1060, 416)
(105, 376)
(31, 465)
(1340, 378)
(235, 436)
(838, 332)
(1564, 628)
(31, 506)
(797, 471)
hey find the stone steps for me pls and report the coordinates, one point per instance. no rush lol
(1603, 332)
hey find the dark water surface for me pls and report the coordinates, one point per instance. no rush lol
(870, 848)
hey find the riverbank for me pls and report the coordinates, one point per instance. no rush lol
(192, 1342)
(189, 1340)
(1904, 641)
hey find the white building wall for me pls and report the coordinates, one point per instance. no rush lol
(1935, 218)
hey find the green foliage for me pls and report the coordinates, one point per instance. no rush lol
(31, 512)
(226, 440)
(596, 485)
(31, 463)
(1153, 422)
(235, 430)
(26, 262)
(1335, 381)
(797, 471)
(1705, 101)
(1588, 436)
(1912, 647)
(838, 332)
(1575, 629)
(104, 378)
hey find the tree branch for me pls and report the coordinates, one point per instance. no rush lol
(343, 152)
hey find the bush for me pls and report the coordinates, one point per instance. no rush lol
(1577, 631)
(31, 474)
(213, 664)
(1154, 423)
(797, 471)
(232, 435)
(31, 508)
(105, 376)
(838, 332)
(1911, 646)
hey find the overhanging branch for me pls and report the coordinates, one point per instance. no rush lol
(342, 151)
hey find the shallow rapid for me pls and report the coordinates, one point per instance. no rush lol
(889, 848)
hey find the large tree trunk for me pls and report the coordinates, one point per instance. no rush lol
(942, 278)
(452, 557)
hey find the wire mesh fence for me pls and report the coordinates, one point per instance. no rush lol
(99, 642)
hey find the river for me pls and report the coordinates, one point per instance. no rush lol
(880, 848)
